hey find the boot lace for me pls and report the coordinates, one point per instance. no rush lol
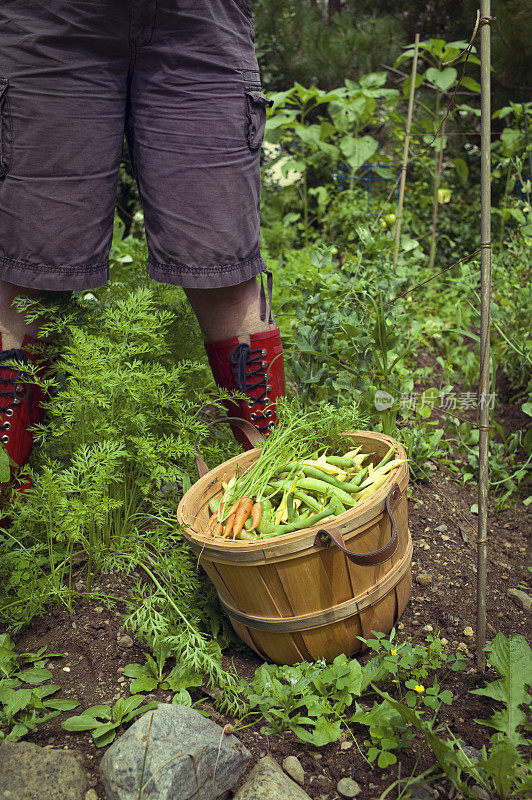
(19, 381)
(247, 380)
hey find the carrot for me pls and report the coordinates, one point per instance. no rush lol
(212, 521)
(229, 525)
(242, 514)
(256, 514)
(218, 530)
(237, 505)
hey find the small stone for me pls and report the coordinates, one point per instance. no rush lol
(471, 752)
(125, 641)
(401, 626)
(267, 781)
(428, 628)
(462, 647)
(346, 745)
(445, 538)
(98, 609)
(424, 579)
(521, 599)
(469, 632)
(424, 792)
(441, 528)
(347, 787)
(293, 768)
(66, 669)
(444, 642)
(478, 791)
(316, 756)
(91, 795)
(426, 547)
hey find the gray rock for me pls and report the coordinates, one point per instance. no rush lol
(91, 795)
(424, 579)
(186, 756)
(441, 528)
(125, 641)
(267, 781)
(471, 752)
(521, 599)
(478, 791)
(347, 787)
(425, 792)
(29, 772)
(293, 768)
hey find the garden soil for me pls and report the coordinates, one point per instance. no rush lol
(96, 648)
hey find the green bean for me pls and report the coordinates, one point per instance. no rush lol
(341, 461)
(305, 498)
(323, 487)
(299, 524)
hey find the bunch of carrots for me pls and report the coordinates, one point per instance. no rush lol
(239, 513)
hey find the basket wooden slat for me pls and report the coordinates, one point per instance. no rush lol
(290, 599)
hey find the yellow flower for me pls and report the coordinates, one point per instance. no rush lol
(419, 688)
(393, 651)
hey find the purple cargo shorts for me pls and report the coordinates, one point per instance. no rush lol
(181, 79)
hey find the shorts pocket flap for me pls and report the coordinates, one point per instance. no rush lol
(259, 97)
(256, 103)
(5, 131)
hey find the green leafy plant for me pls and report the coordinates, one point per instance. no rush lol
(312, 700)
(26, 700)
(502, 771)
(102, 721)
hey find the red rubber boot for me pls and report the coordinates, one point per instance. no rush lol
(257, 369)
(20, 402)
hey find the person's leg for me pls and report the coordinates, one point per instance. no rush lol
(229, 311)
(197, 121)
(13, 324)
(63, 89)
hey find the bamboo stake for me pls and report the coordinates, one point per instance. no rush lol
(432, 255)
(485, 309)
(405, 151)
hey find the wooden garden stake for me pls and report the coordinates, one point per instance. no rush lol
(432, 255)
(485, 310)
(405, 151)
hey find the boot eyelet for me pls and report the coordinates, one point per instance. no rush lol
(269, 388)
(268, 413)
(5, 439)
(264, 364)
(6, 426)
(271, 425)
(16, 400)
(264, 353)
(19, 387)
(253, 417)
(251, 403)
(9, 412)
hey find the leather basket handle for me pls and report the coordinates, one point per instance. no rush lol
(252, 433)
(325, 537)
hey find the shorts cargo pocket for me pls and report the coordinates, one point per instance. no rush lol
(5, 128)
(256, 104)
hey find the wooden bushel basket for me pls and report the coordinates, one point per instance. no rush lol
(310, 594)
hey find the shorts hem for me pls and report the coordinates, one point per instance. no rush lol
(212, 277)
(52, 278)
